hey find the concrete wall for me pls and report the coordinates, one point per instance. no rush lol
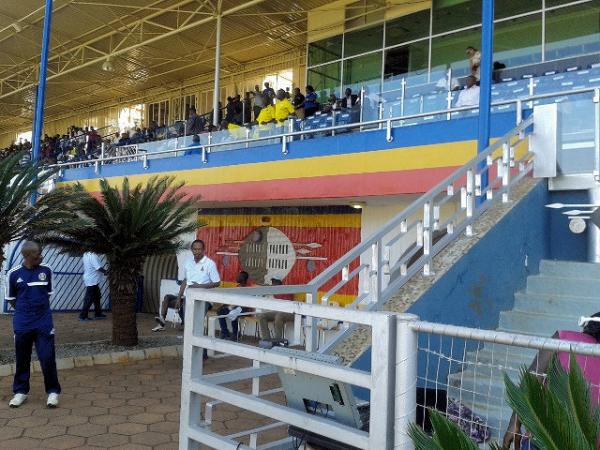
(483, 282)
(565, 245)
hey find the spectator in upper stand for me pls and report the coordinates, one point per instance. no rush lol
(195, 144)
(259, 101)
(237, 110)
(267, 115)
(283, 107)
(138, 137)
(125, 139)
(469, 96)
(349, 99)
(298, 103)
(195, 123)
(332, 104)
(247, 109)
(229, 110)
(310, 103)
(474, 61)
(269, 93)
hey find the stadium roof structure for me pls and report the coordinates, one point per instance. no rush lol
(102, 50)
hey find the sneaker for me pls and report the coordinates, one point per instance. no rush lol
(160, 321)
(158, 328)
(18, 400)
(52, 401)
(100, 317)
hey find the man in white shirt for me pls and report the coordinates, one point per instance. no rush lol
(92, 275)
(199, 272)
(469, 96)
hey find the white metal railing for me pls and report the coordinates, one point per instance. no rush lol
(286, 137)
(407, 356)
(195, 429)
(383, 262)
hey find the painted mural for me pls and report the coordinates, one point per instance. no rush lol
(293, 244)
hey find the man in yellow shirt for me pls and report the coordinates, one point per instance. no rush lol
(283, 108)
(267, 115)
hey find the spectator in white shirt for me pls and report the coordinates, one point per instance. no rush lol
(200, 272)
(469, 96)
(474, 56)
(92, 275)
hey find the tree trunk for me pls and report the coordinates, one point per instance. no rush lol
(123, 285)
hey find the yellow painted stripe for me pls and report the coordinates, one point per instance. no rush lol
(406, 158)
(340, 299)
(284, 220)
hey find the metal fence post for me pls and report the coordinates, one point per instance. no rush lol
(192, 364)
(311, 339)
(383, 365)
(597, 134)
(405, 402)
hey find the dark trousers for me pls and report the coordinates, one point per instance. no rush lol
(44, 347)
(92, 296)
(257, 110)
(223, 311)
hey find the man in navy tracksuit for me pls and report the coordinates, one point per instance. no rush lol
(29, 290)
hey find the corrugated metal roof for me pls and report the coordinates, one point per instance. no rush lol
(84, 30)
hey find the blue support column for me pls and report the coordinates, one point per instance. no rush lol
(40, 100)
(485, 78)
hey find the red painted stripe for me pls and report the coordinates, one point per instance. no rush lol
(339, 186)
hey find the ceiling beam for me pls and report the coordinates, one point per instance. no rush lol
(128, 48)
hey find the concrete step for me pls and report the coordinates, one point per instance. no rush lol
(535, 323)
(503, 356)
(572, 306)
(496, 414)
(569, 269)
(582, 287)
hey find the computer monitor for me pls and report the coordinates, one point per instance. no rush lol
(319, 395)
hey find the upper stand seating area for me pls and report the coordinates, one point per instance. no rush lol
(407, 104)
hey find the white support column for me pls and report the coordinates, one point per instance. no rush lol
(217, 66)
(406, 381)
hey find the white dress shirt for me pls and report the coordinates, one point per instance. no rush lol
(91, 269)
(468, 97)
(201, 272)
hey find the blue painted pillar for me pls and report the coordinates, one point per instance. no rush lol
(485, 78)
(40, 100)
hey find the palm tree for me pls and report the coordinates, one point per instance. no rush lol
(127, 225)
(19, 219)
(558, 414)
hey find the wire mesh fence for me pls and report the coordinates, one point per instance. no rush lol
(463, 376)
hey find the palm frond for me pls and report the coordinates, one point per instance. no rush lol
(446, 435)
(572, 391)
(551, 421)
(18, 218)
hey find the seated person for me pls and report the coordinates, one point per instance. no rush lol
(267, 115)
(469, 96)
(279, 318)
(283, 107)
(170, 301)
(195, 143)
(242, 281)
(590, 367)
(200, 272)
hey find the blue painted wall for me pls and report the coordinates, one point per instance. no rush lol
(483, 282)
(418, 135)
(565, 245)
